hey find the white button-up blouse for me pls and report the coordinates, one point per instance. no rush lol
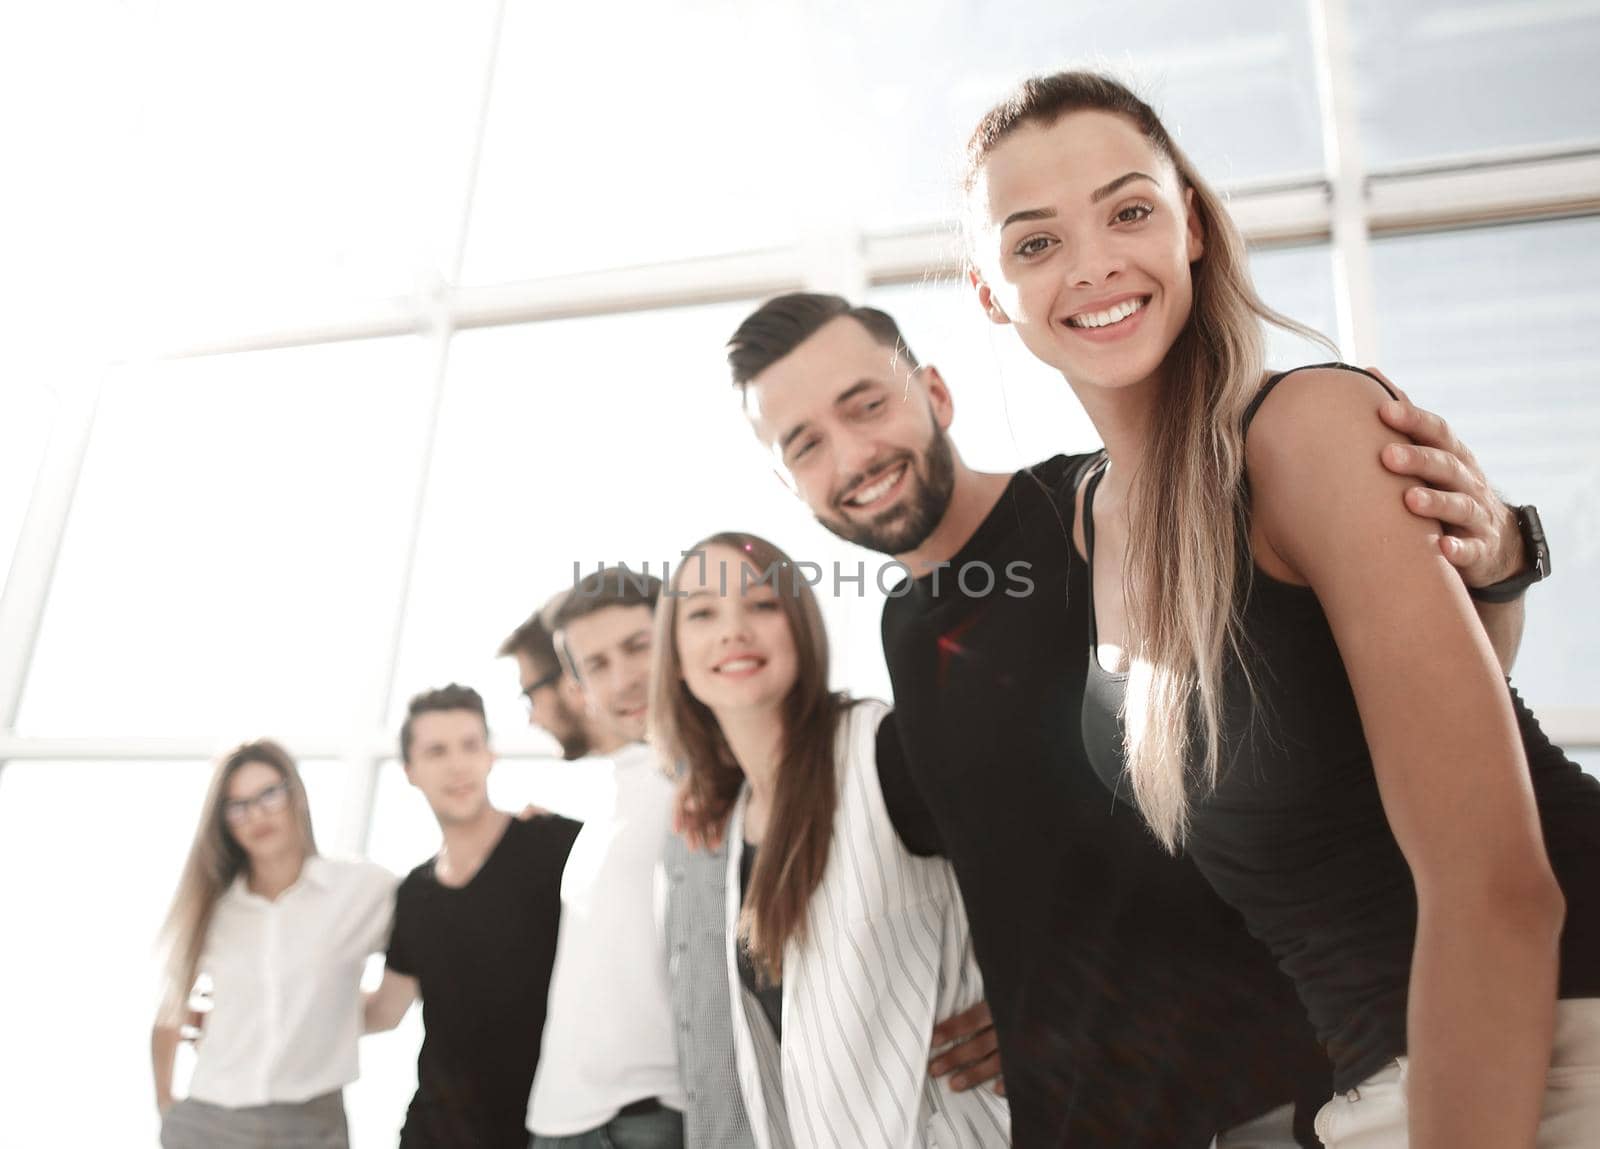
(286, 984)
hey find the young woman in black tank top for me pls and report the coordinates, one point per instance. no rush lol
(1287, 677)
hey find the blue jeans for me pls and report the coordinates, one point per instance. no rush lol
(662, 1129)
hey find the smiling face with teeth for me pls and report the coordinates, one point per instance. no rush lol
(860, 434)
(1084, 240)
(735, 644)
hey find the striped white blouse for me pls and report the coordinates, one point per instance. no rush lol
(886, 956)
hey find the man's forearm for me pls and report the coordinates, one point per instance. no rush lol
(377, 1014)
(1503, 621)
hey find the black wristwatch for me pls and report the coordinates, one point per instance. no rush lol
(1537, 551)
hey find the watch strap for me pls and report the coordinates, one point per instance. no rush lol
(1536, 549)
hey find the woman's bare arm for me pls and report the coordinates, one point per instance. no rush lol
(164, 1041)
(1445, 746)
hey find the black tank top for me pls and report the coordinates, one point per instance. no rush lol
(1295, 837)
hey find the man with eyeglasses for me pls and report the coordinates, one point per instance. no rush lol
(553, 697)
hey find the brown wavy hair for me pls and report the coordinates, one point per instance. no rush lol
(799, 834)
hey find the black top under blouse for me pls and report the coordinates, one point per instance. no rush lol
(1295, 834)
(768, 993)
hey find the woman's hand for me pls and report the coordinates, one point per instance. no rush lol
(686, 822)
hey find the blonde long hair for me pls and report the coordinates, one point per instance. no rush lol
(1187, 521)
(799, 836)
(215, 860)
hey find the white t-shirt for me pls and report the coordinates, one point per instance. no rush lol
(608, 1032)
(286, 984)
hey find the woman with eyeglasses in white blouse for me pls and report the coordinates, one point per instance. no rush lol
(282, 935)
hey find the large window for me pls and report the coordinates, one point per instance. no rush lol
(606, 148)
(1495, 329)
(1446, 79)
(234, 550)
(300, 157)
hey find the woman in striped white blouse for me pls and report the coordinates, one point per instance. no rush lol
(844, 948)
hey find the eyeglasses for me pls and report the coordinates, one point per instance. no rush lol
(539, 684)
(269, 801)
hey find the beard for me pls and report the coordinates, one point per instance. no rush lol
(906, 526)
(572, 737)
(566, 724)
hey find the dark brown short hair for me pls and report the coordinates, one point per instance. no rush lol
(535, 641)
(784, 322)
(452, 697)
(599, 590)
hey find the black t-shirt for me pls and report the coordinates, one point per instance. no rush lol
(482, 956)
(1131, 1006)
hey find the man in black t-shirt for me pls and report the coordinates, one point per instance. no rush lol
(474, 936)
(1131, 1007)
